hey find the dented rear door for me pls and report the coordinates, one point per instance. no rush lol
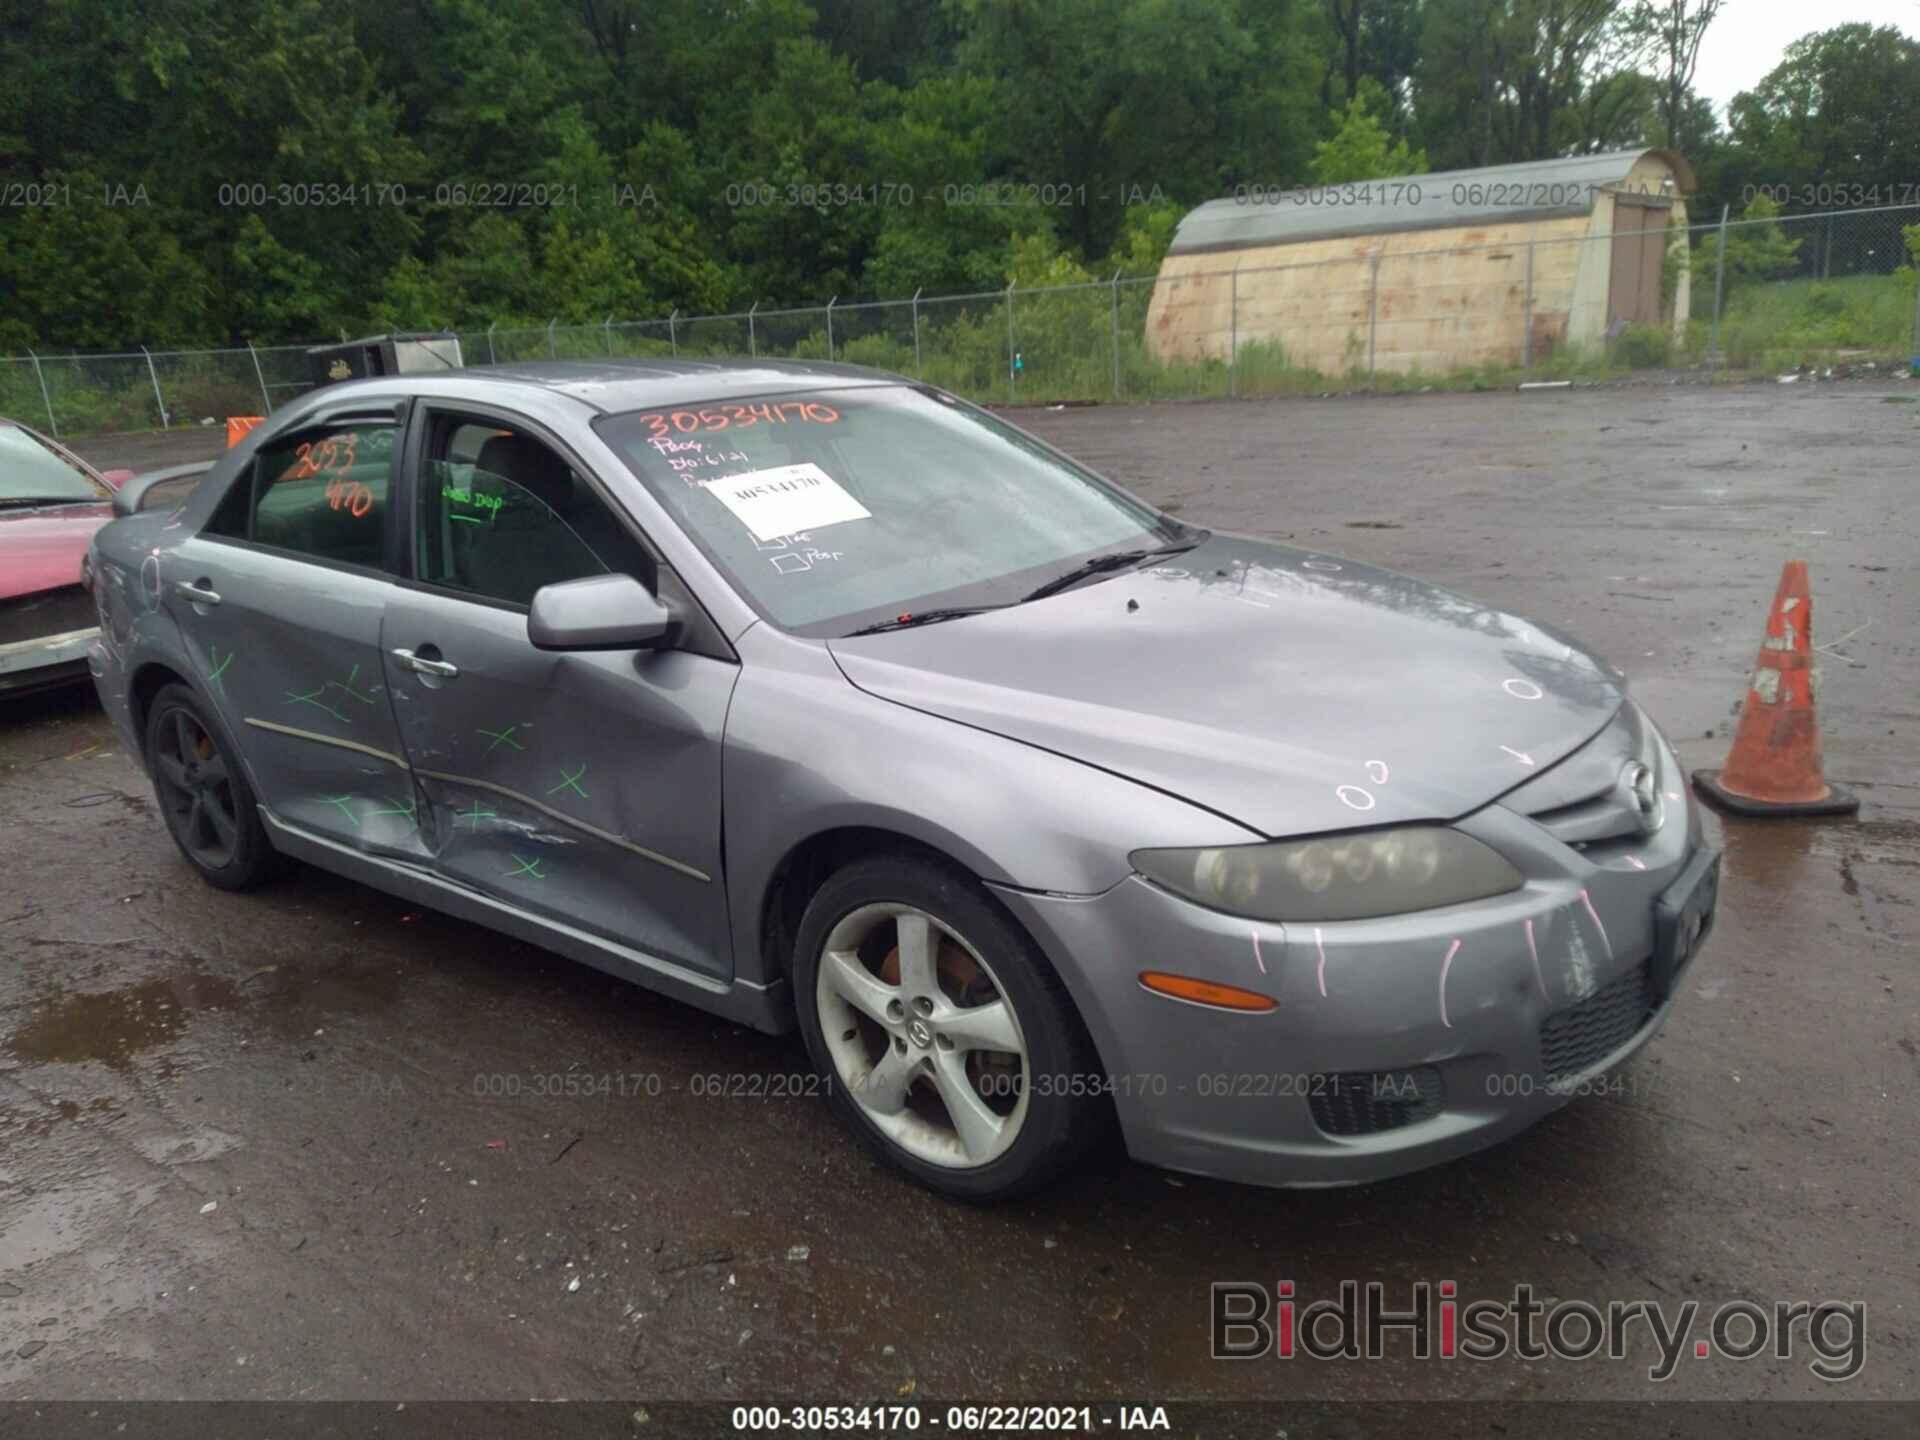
(280, 600)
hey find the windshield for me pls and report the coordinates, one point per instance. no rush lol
(833, 509)
(31, 471)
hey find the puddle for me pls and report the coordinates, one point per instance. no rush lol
(113, 1026)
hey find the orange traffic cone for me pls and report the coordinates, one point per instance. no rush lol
(1774, 767)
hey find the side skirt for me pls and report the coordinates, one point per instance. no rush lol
(767, 1008)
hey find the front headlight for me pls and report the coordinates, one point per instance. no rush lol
(1340, 877)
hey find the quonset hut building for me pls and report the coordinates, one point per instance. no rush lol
(1429, 272)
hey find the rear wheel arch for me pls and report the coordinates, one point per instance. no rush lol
(148, 681)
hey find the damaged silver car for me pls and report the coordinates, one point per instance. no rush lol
(816, 696)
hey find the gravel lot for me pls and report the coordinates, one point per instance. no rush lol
(243, 1151)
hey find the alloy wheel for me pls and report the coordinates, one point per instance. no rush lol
(922, 1035)
(196, 790)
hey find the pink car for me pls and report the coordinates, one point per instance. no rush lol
(51, 502)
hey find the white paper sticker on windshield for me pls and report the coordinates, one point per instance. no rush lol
(786, 500)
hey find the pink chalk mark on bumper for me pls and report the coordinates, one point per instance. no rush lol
(1256, 951)
(1535, 953)
(1587, 900)
(1320, 970)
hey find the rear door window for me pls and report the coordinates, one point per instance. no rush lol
(323, 493)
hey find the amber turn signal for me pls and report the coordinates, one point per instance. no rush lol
(1205, 992)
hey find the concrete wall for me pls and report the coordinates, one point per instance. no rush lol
(1447, 298)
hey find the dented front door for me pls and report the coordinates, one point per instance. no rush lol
(583, 788)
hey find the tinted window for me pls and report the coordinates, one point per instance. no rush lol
(834, 508)
(502, 514)
(322, 493)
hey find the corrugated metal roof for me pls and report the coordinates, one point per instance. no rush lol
(1532, 190)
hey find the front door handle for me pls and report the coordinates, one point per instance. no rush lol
(424, 666)
(197, 591)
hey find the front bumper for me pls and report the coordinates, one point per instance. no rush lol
(1396, 1043)
(45, 660)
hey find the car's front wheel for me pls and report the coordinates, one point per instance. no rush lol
(203, 794)
(948, 1043)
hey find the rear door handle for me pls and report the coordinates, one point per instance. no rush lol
(196, 591)
(411, 661)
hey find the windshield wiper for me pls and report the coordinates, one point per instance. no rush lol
(1101, 564)
(921, 617)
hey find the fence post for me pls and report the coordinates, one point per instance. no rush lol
(1373, 313)
(919, 366)
(1719, 290)
(1913, 357)
(606, 330)
(1116, 333)
(490, 359)
(830, 305)
(266, 400)
(1013, 352)
(52, 424)
(1233, 333)
(552, 351)
(154, 375)
(673, 330)
(753, 342)
(1526, 313)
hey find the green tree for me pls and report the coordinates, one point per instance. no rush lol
(1842, 109)
(1758, 249)
(1668, 35)
(1361, 149)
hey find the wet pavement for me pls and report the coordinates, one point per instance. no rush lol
(314, 1142)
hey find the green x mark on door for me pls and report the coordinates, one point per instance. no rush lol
(502, 737)
(571, 781)
(527, 867)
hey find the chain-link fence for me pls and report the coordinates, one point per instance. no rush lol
(1389, 311)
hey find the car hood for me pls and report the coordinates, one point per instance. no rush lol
(1290, 691)
(42, 549)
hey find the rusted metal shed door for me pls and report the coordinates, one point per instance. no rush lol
(1639, 246)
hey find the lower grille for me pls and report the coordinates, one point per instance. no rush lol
(1366, 1102)
(49, 612)
(1573, 1039)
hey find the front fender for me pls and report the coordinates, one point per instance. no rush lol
(807, 752)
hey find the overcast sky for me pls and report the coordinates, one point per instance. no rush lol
(1749, 37)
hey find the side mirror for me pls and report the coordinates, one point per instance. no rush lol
(601, 612)
(126, 500)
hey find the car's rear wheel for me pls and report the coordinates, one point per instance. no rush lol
(203, 793)
(948, 1042)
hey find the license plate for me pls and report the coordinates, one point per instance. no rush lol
(1682, 918)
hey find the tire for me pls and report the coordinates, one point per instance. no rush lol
(894, 1048)
(203, 793)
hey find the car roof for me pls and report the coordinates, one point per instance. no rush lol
(616, 385)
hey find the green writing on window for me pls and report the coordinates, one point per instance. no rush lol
(490, 504)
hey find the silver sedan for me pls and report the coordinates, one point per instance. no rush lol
(816, 696)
